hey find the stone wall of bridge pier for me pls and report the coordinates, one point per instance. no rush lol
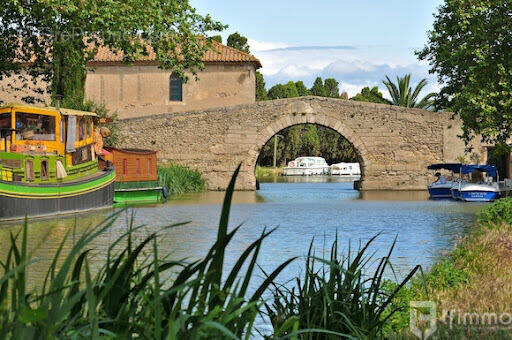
(394, 144)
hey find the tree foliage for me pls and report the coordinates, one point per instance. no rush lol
(238, 41)
(52, 41)
(318, 88)
(217, 38)
(302, 89)
(261, 92)
(370, 95)
(470, 49)
(403, 95)
(332, 89)
(279, 91)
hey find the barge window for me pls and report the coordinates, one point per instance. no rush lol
(29, 169)
(176, 88)
(138, 166)
(5, 120)
(44, 170)
(35, 127)
(63, 130)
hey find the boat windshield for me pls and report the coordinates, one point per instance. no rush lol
(5, 120)
(35, 127)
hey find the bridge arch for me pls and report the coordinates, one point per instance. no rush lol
(285, 122)
(395, 144)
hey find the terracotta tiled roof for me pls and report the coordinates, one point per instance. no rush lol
(218, 53)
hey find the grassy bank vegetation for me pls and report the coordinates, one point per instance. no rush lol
(138, 293)
(179, 179)
(268, 172)
(476, 277)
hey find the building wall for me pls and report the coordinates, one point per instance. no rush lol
(8, 94)
(135, 91)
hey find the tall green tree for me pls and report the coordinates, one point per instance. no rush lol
(277, 91)
(261, 92)
(318, 88)
(302, 89)
(53, 40)
(238, 41)
(332, 88)
(470, 49)
(370, 95)
(403, 95)
(291, 90)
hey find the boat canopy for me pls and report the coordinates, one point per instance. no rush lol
(70, 112)
(455, 167)
(63, 111)
(489, 169)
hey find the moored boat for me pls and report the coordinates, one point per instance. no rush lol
(48, 164)
(137, 177)
(307, 166)
(442, 189)
(348, 170)
(486, 190)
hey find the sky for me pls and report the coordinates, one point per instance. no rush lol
(356, 42)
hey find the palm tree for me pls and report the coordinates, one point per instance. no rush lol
(403, 95)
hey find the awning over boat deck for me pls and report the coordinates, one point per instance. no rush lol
(455, 167)
(489, 169)
(70, 112)
(465, 168)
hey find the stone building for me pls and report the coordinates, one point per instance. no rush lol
(141, 88)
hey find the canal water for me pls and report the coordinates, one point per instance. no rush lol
(302, 211)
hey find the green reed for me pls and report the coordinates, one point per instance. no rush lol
(178, 179)
(138, 293)
(335, 298)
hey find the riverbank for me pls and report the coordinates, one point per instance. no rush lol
(179, 179)
(471, 286)
(267, 172)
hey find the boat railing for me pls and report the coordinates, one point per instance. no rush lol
(7, 174)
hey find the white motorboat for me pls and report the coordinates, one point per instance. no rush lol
(307, 166)
(487, 190)
(352, 170)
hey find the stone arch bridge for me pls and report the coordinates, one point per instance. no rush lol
(394, 144)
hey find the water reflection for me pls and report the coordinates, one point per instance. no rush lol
(302, 211)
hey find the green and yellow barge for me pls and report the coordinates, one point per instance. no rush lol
(48, 163)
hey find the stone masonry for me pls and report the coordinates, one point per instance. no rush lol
(394, 144)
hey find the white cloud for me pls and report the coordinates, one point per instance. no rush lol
(353, 67)
(257, 46)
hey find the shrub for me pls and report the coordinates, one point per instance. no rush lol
(497, 213)
(179, 179)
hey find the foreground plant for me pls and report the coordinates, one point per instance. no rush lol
(337, 299)
(131, 296)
